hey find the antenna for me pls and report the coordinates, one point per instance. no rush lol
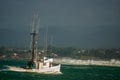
(51, 44)
(45, 40)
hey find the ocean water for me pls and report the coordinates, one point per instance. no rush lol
(69, 72)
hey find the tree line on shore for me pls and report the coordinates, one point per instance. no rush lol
(76, 53)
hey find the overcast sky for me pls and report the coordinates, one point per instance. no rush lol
(71, 23)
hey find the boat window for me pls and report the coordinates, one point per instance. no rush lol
(44, 64)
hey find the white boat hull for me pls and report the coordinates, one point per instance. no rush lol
(54, 69)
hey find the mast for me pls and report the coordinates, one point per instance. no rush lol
(34, 38)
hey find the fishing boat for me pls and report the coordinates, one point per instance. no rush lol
(40, 67)
(39, 62)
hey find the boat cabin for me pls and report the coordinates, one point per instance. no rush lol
(45, 63)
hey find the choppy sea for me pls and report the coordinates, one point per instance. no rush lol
(69, 72)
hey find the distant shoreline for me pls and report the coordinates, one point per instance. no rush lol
(71, 61)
